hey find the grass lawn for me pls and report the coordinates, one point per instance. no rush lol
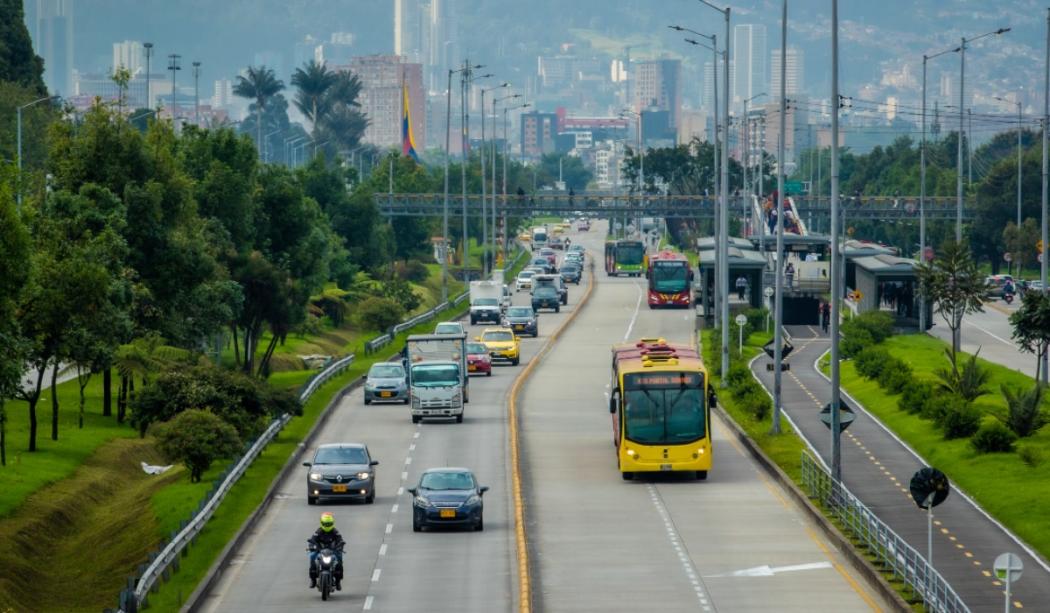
(1009, 489)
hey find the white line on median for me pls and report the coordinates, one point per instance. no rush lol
(389, 528)
(382, 549)
(393, 509)
(404, 475)
(368, 603)
(408, 460)
(375, 574)
(637, 307)
(401, 491)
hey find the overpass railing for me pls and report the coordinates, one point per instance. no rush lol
(891, 552)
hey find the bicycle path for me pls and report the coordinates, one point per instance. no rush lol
(877, 467)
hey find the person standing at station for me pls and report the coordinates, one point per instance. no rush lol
(741, 287)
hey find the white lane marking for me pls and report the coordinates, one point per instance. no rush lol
(389, 528)
(401, 491)
(416, 435)
(995, 336)
(675, 539)
(375, 574)
(393, 509)
(404, 475)
(634, 316)
(408, 460)
(382, 549)
(412, 447)
(769, 571)
(368, 603)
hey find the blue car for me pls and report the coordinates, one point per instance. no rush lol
(447, 497)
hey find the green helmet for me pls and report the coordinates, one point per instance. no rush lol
(327, 522)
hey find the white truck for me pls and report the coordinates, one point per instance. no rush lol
(539, 237)
(486, 298)
(437, 375)
(498, 277)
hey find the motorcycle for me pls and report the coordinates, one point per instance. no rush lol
(1008, 297)
(326, 567)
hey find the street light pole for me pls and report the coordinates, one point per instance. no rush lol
(922, 182)
(1020, 119)
(1045, 235)
(448, 153)
(173, 66)
(196, 93)
(836, 256)
(778, 316)
(484, 205)
(149, 53)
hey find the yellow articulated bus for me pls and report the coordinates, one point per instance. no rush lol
(661, 408)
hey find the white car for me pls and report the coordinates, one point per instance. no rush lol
(524, 280)
(450, 327)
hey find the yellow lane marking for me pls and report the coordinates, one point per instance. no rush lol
(520, 537)
(850, 580)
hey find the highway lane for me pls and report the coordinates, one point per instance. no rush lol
(390, 568)
(732, 543)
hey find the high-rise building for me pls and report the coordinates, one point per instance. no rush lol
(381, 101)
(538, 132)
(129, 54)
(749, 61)
(658, 85)
(707, 99)
(54, 43)
(793, 72)
(223, 96)
(423, 31)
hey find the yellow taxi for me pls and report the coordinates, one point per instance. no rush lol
(502, 344)
(525, 237)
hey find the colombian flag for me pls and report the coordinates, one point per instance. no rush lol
(408, 143)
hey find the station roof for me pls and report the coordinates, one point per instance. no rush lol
(738, 259)
(795, 242)
(887, 265)
(858, 249)
(708, 242)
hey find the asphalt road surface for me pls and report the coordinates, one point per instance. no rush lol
(731, 543)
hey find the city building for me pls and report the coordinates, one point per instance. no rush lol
(608, 164)
(89, 86)
(794, 73)
(798, 133)
(707, 99)
(381, 101)
(423, 32)
(223, 97)
(658, 84)
(657, 129)
(692, 124)
(538, 132)
(749, 62)
(339, 48)
(307, 50)
(53, 36)
(129, 54)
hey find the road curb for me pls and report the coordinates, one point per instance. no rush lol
(520, 534)
(196, 599)
(859, 563)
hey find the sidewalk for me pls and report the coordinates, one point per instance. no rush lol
(877, 467)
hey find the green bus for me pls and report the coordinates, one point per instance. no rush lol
(624, 257)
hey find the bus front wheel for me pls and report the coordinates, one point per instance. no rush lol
(627, 475)
(701, 475)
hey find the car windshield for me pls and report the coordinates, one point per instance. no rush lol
(450, 328)
(486, 302)
(447, 481)
(386, 371)
(519, 312)
(669, 277)
(341, 455)
(500, 336)
(546, 291)
(435, 375)
(664, 408)
(630, 253)
(570, 267)
(476, 348)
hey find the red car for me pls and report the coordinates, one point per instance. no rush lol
(548, 253)
(478, 360)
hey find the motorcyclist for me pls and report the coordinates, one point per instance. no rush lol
(1008, 289)
(327, 537)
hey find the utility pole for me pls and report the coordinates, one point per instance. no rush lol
(1046, 124)
(464, 84)
(836, 255)
(448, 153)
(149, 52)
(778, 316)
(959, 154)
(173, 66)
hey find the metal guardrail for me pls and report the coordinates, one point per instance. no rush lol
(159, 566)
(891, 552)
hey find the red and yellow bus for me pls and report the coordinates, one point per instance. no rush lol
(669, 280)
(661, 408)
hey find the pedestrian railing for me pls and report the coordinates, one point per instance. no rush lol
(891, 552)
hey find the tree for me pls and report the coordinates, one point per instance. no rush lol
(18, 63)
(14, 252)
(1031, 324)
(1025, 413)
(573, 172)
(1021, 243)
(258, 84)
(197, 438)
(121, 76)
(954, 285)
(313, 82)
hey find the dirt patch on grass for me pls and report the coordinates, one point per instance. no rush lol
(72, 544)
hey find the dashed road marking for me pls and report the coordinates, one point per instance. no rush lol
(687, 563)
(382, 549)
(368, 603)
(375, 574)
(389, 528)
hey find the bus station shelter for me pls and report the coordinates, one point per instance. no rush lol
(890, 283)
(747, 263)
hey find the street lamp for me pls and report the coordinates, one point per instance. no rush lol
(778, 271)
(747, 141)
(1019, 154)
(962, 119)
(484, 212)
(149, 53)
(922, 181)
(173, 66)
(448, 153)
(723, 225)
(496, 101)
(18, 112)
(505, 154)
(466, 79)
(196, 93)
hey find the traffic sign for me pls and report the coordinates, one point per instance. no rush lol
(1007, 257)
(846, 416)
(785, 349)
(741, 319)
(929, 487)
(1008, 567)
(793, 187)
(769, 291)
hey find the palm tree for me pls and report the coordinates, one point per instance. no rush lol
(260, 84)
(314, 82)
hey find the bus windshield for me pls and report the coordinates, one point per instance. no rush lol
(669, 277)
(664, 408)
(435, 375)
(630, 254)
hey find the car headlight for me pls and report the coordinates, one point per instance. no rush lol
(364, 476)
(419, 501)
(315, 476)
(473, 500)
(370, 386)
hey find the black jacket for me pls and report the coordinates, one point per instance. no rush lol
(330, 540)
